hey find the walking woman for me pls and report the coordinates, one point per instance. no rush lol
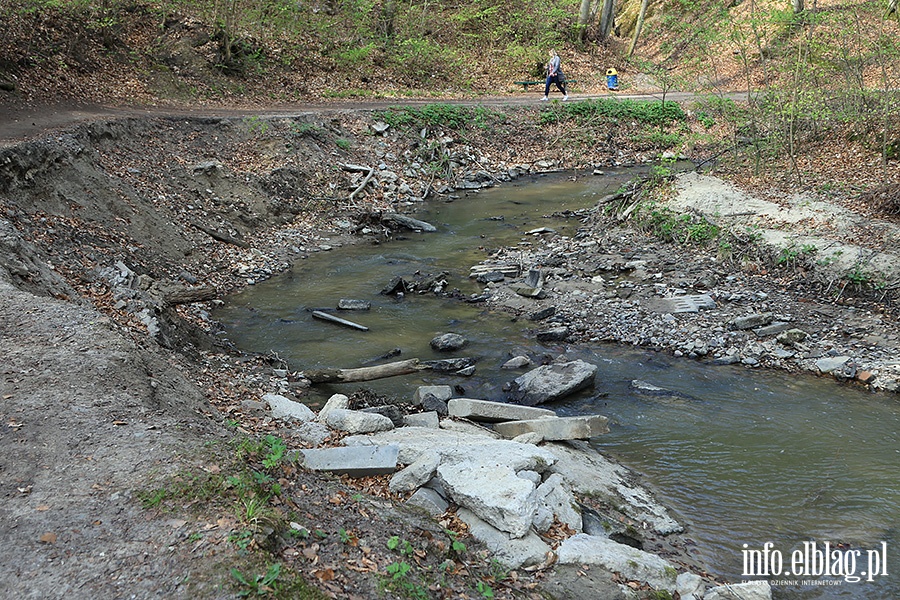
(554, 75)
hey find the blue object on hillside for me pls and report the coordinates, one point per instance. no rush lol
(612, 79)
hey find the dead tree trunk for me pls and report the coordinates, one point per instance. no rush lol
(404, 367)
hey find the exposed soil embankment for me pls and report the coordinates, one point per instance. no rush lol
(112, 235)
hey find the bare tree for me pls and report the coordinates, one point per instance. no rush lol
(799, 6)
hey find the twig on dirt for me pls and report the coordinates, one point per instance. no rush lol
(219, 236)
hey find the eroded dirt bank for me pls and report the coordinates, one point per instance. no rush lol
(115, 236)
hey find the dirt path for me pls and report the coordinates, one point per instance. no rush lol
(19, 123)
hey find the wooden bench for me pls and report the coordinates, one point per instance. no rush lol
(525, 84)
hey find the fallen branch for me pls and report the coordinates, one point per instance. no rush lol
(409, 222)
(403, 367)
(359, 169)
(324, 316)
(172, 295)
(222, 237)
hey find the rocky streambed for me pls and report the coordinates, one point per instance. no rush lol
(133, 227)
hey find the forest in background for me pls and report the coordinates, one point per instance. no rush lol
(257, 53)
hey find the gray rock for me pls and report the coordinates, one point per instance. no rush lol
(444, 392)
(752, 321)
(354, 421)
(448, 342)
(493, 492)
(469, 428)
(457, 446)
(554, 334)
(435, 404)
(791, 337)
(552, 382)
(630, 562)
(351, 304)
(415, 475)
(689, 586)
(428, 500)
(426, 419)
(283, 408)
(751, 590)
(544, 313)
(337, 401)
(511, 553)
(554, 495)
(589, 473)
(529, 438)
(517, 362)
(388, 410)
(312, 432)
(830, 364)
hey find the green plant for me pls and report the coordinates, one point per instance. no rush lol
(256, 125)
(401, 546)
(305, 129)
(347, 537)
(275, 449)
(858, 276)
(705, 119)
(152, 498)
(342, 144)
(241, 539)
(484, 589)
(603, 110)
(398, 580)
(261, 585)
(456, 546)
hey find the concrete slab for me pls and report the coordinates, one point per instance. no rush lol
(561, 428)
(485, 410)
(356, 461)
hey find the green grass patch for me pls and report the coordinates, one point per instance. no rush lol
(659, 114)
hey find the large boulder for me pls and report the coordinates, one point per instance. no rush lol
(552, 382)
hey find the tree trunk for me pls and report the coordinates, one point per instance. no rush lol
(637, 28)
(799, 6)
(404, 367)
(584, 19)
(607, 18)
(173, 294)
(892, 7)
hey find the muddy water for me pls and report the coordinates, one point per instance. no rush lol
(741, 457)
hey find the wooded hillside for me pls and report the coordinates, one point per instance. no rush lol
(278, 51)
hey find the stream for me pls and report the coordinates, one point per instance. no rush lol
(754, 464)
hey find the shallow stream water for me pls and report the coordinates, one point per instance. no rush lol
(740, 456)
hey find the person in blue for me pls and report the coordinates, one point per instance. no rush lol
(554, 75)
